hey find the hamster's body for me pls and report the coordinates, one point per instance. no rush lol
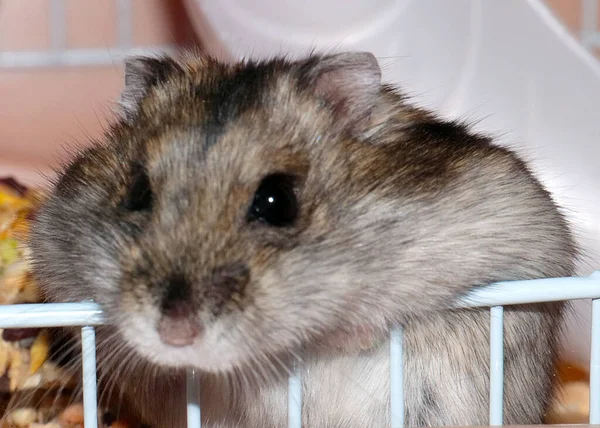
(239, 215)
(445, 384)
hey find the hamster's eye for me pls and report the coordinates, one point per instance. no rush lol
(139, 197)
(275, 202)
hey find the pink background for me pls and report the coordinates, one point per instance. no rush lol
(42, 110)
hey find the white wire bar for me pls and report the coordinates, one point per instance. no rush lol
(595, 365)
(589, 22)
(124, 23)
(58, 25)
(496, 365)
(592, 40)
(77, 57)
(295, 396)
(533, 291)
(193, 399)
(90, 407)
(495, 296)
(50, 315)
(396, 378)
(59, 55)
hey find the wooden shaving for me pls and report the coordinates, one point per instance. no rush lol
(48, 425)
(25, 367)
(25, 362)
(23, 417)
(39, 352)
(72, 416)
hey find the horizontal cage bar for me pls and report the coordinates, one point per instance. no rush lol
(494, 296)
(76, 57)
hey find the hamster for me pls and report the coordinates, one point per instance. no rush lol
(238, 216)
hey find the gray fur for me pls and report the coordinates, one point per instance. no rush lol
(401, 214)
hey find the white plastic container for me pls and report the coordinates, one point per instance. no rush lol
(534, 86)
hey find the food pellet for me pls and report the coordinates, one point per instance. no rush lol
(23, 417)
(119, 424)
(72, 416)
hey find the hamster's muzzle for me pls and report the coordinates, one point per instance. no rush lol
(186, 305)
(179, 325)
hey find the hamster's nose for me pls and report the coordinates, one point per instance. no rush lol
(179, 326)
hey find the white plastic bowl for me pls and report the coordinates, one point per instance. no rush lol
(508, 64)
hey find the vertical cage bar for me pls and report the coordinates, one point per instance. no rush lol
(193, 399)
(496, 364)
(124, 23)
(58, 25)
(595, 365)
(90, 402)
(295, 397)
(589, 17)
(396, 379)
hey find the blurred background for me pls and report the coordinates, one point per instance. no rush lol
(42, 107)
(528, 71)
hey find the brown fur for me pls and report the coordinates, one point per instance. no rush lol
(401, 213)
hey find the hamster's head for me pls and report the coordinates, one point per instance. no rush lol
(212, 223)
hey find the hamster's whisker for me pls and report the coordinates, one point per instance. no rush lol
(296, 356)
(114, 372)
(59, 394)
(17, 400)
(249, 376)
(121, 393)
(135, 365)
(29, 398)
(261, 369)
(105, 364)
(76, 393)
(231, 382)
(70, 346)
(284, 367)
(106, 367)
(113, 383)
(238, 378)
(275, 372)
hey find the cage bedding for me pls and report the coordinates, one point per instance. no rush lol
(37, 388)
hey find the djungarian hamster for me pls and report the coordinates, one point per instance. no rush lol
(239, 215)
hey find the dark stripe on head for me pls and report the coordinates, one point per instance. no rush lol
(232, 95)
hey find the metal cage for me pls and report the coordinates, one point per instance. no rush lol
(60, 55)
(494, 296)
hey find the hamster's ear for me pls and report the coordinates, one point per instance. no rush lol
(141, 74)
(349, 83)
